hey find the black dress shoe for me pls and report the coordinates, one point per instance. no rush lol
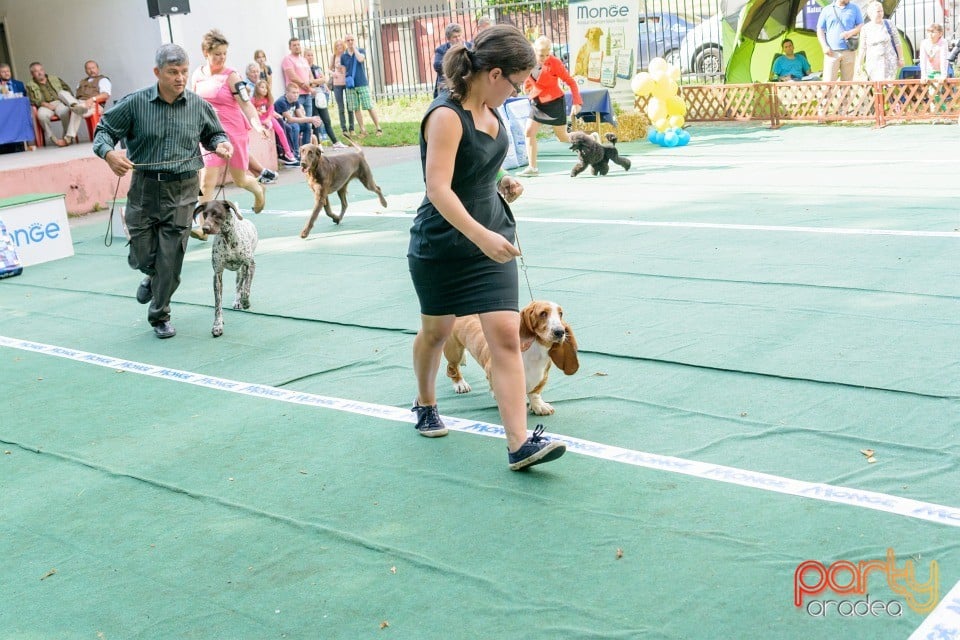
(164, 330)
(144, 292)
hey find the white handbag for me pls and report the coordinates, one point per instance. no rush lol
(320, 99)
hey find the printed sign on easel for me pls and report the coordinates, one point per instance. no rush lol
(603, 40)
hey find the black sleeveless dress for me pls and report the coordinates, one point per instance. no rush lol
(451, 274)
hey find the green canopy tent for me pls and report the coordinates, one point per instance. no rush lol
(761, 25)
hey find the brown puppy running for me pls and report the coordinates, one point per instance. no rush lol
(544, 338)
(329, 173)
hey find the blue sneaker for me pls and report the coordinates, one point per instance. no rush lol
(536, 450)
(429, 423)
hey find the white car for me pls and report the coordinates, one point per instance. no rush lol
(701, 51)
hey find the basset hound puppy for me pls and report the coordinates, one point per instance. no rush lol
(544, 339)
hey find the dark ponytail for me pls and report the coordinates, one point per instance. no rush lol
(501, 46)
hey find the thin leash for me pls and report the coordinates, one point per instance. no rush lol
(108, 236)
(523, 264)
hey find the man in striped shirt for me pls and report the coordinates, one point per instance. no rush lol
(164, 126)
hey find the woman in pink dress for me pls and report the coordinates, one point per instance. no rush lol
(223, 88)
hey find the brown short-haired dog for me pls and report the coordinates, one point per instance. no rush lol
(329, 173)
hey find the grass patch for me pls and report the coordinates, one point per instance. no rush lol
(400, 121)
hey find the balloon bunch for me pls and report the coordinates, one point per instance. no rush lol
(665, 108)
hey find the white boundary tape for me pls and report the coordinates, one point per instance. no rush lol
(685, 225)
(943, 623)
(829, 493)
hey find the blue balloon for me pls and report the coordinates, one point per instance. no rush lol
(684, 138)
(653, 136)
(670, 139)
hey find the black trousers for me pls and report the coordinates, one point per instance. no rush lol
(338, 90)
(324, 114)
(159, 216)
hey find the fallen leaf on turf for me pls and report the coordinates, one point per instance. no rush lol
(48, 574)
(393, 569)
(619, 553)
(871, 459)
(867, 452)
(601, 373)
(384, 624)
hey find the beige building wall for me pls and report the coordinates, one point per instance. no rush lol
(122, 38)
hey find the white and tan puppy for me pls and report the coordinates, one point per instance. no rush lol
(545, 338)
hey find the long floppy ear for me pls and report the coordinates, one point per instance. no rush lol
(564, 355)
(233, 208)
(527, 330)
(315, 156)
(197, 210)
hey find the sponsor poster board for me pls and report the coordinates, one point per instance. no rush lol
(38, 227)
(603, 43)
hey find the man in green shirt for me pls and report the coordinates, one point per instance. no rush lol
(164, 126)
(52, 97)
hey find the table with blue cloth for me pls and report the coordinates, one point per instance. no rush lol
(596, 103)
(16, 121)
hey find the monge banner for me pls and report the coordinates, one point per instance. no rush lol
(603, 43)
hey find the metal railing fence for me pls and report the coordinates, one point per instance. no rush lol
(400, 43)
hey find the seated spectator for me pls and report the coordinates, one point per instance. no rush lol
(288, 106)
(269, 118)
(94, 89)
(790, 66)
(9, 86)
(933, 54)
(51, 96)
(253, 77)
(266, 73)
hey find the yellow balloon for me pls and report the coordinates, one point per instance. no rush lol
(676, 122)
(657, 65)
(642, 84)
(656, 109)
(661, 125)
(676, 106)
(674, 88)
(658, 76)
(661, 90)
(674, 73)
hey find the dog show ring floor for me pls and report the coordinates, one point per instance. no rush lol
(762, 435)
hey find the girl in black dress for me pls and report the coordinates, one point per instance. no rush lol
(461, 256)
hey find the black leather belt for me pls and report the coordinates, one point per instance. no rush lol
(163, 176)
